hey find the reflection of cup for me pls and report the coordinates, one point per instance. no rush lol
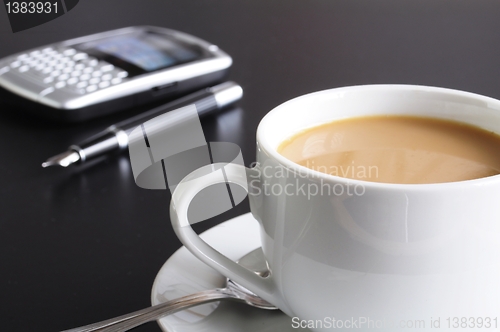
(372, 255)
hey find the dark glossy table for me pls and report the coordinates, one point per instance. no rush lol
(84, 244)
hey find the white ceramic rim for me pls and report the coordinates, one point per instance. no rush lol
(298, 169)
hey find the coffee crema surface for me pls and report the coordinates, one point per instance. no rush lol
(397, 149)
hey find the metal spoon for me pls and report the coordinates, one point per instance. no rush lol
(253, 261)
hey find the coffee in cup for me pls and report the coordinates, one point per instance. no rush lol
(396, 149)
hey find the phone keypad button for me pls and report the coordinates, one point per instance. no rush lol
(116, 80)
(33, 63)
(81, 85)
(76, 73)
(103, 84)
(40, 67)
(55, 73)
(88, 70)
(79, 66)
(91, 62)
(63, 77)
(69, 52)
(15, 64)
(23, 56)
(91, 88)
(60, 85)
(85, 77)
(48, 80)
(72, 81)
(35, 53)
(122, 74)
(94, 80)
(47, 91)
(67, 70)
(97, 73)
(80, 56)
(45, 59)
(24, 68)
(107, 68)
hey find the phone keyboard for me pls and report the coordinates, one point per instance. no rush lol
(67, 68)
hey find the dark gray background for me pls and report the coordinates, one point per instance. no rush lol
(83, 244)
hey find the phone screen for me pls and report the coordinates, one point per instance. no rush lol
(146, 51)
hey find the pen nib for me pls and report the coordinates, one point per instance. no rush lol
(64, 159)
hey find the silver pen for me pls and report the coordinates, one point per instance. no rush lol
(115, 137)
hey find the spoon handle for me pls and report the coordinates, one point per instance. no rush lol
(136, 318)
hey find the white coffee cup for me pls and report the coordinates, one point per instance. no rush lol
(373, 255)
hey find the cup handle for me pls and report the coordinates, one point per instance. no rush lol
(185, 191)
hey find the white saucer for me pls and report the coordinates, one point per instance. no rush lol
(184, 274)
